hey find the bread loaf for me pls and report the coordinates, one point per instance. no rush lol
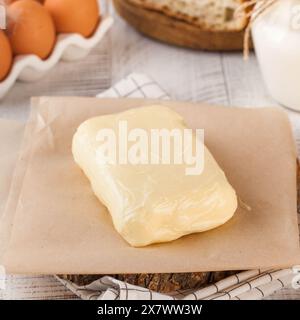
(211, 15)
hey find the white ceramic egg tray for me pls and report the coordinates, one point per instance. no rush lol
(68, 47)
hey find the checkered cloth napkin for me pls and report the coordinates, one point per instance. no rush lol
(253, 284)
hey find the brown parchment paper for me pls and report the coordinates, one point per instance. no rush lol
(11, 134)
(60, 227)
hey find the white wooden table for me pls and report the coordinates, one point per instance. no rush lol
(220, 78)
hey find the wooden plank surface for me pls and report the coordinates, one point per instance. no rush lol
(185, 74)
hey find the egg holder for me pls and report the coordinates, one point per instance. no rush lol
(68, 47)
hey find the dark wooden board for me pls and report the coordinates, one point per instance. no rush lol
(160, 282)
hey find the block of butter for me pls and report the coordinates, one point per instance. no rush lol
(151, 192)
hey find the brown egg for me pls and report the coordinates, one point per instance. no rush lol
(11, 1)
(5, 56)
(74, 16)
(30, 28)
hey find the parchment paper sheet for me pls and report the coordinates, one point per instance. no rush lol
(60, 226)
(11, 133)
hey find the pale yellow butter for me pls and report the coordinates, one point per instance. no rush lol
(151, 203)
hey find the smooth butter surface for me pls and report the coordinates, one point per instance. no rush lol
(151, 203)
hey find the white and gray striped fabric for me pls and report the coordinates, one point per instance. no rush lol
(248, 285)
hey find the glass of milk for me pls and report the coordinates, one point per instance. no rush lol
(276, 36)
